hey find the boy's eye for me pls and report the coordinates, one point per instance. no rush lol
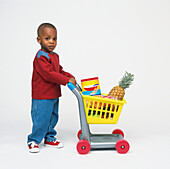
(47, 38)
(55, 39)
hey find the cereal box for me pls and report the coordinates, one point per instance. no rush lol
(90, 86)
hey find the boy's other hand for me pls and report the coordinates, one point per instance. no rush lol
(73, 80)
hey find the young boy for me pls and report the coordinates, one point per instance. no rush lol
(47, 77)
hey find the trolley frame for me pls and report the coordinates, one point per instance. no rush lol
(97, 141)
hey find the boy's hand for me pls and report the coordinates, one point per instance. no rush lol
(73, 80)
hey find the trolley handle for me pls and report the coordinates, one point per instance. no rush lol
(72, 87)
(78, 87)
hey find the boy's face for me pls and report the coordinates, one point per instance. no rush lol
(48, 39)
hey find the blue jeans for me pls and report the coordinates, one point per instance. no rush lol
(44, 115)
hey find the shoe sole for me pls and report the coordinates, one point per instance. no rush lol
(34, 151)
(47, 145)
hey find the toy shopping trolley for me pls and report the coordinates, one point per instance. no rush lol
(98, 110)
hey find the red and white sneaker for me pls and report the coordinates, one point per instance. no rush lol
(33, 147)
(56, 144)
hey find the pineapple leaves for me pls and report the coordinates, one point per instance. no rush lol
(126, 80)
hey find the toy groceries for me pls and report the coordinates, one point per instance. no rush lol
(95, 103)
(118, 92)
(90, 86)
(99, 106)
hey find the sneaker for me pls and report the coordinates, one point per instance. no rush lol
(56, 144)
(33, 147)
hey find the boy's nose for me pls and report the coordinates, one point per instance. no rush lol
(51, 41)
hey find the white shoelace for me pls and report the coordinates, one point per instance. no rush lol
(57, 141)
(32, 144)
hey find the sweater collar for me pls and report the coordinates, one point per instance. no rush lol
(47, 52)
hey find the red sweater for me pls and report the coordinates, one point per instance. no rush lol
(47, 76)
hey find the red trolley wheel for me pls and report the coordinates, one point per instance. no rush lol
(83, 147)
(79, 134)
(122, 146)
(118, 131)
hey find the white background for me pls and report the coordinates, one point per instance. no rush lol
(101, 38)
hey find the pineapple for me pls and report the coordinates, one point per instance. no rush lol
(118, 92)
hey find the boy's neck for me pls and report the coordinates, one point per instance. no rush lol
(46, 51)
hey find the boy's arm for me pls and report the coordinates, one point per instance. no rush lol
(72, 78)
(45, 69)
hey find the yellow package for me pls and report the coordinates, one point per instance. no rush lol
(90, 86)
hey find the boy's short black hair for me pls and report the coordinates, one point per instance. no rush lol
(44, 25)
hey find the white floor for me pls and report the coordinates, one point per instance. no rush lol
(150, 151)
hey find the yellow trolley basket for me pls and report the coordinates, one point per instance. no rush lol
(102, 110)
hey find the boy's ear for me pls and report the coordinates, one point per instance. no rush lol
(38, 40)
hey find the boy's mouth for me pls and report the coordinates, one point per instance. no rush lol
(51, 47)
